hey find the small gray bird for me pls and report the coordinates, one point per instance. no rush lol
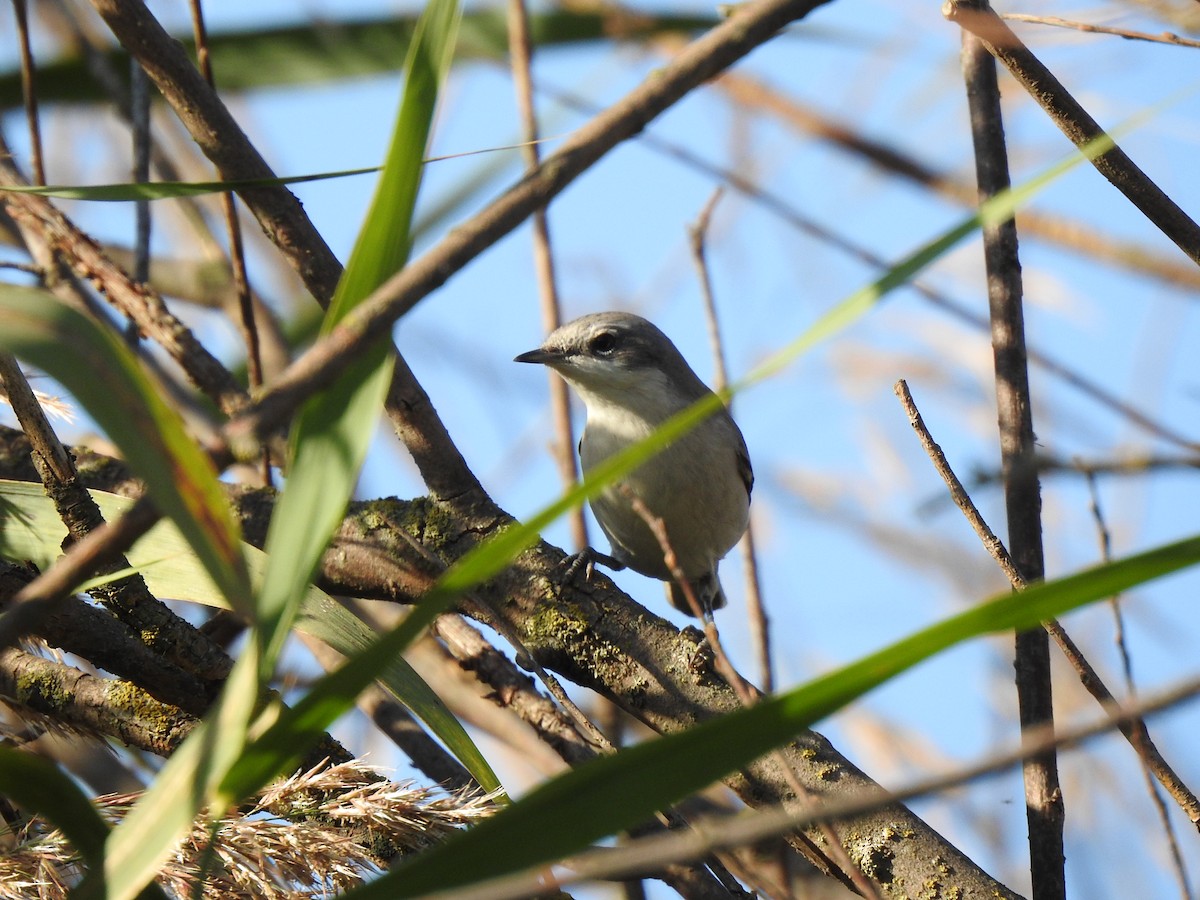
(632, 379)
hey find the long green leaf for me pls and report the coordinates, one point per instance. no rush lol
(610, 793)
(106, 379)
(334, 429)
(126, 192)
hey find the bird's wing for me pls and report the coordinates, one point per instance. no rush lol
(743, 463)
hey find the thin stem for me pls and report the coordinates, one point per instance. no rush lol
(521, 50)
(1044, 808)
(760, 630)
(1134, 731)
(29, 93)
(1160, 806)
(237, 253)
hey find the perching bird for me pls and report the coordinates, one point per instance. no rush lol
(631, 378)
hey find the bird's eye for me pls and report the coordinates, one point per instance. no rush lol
(603, 344)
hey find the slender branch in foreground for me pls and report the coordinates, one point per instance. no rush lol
(759, 624)
(1133, 729)
(833, 858)
(139, 303)
(1148, 775)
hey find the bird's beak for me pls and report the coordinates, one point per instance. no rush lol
(540, 355)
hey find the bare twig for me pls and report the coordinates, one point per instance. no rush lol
(1142, 733)
(521, 52)
(1044, 808)
(1164, 37)
(976, 17)
(138, 302)
(1132, 464)
(759, 623)
(1134, 731)
(29, 92)
(512, 689)
(237, 253)
(139, 108)
(838, 861)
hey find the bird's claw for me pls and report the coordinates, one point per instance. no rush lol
(582, 561)
(586, 560)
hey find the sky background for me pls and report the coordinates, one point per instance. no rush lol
(858, 544)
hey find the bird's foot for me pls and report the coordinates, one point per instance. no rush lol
(700, 664)
(585, 561)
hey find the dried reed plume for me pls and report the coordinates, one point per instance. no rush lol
(311, 835)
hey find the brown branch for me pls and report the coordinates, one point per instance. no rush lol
(977, 18)
(1144, 746)
(29, 92)
(101, 638)
(237, 253)
(163, 632)
(94, 705)
(1131, 465)
(1044, 808)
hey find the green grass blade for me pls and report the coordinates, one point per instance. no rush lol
(334, 429)
(170, 190)
(616, 792)
(106, 379)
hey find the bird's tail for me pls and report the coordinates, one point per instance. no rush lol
(707, 589)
